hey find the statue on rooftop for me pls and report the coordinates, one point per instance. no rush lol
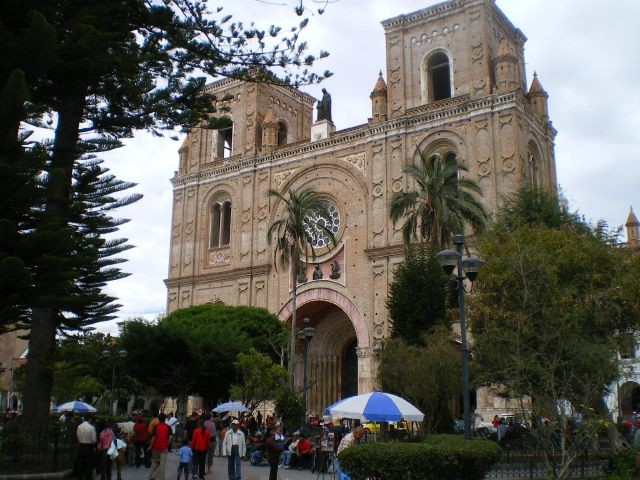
(324, 106)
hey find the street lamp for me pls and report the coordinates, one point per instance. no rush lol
(450, 259)
(305, 335)
(114, 355)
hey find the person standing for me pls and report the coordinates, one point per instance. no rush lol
(159, 446)
(272, 450)
(105, 440)
(185, 453)
(200, 446)
(141, 443)
(234, 447)
(172, 422)
(348, 440)
(210, 425)
(87, 439)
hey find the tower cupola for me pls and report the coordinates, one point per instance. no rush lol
(269, 131)
(506, 68)
(379, 100)
(632, 229)
(538, 98)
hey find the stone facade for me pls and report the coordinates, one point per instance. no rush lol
(456, 85)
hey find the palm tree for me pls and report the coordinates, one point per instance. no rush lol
(442, 202)
(293, 241)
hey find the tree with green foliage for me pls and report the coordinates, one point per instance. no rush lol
(418, 295)
(293, 242)
(549, 310)
(289, 408)
(434, 378)
(421, 339)
(92, 72)
(192, 350)
(258, 379)
(442, 202)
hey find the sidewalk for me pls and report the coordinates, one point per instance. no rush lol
(249, 472)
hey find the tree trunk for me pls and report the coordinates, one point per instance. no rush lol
(46, 310)
(292, 344)
(616, 441)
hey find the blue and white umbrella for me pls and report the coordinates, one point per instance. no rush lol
(230, 407)
(75, 406)
(375, 406)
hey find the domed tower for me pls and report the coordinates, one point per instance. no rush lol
(632, 230)
(506, 68)
(379, 100)
(538, 98)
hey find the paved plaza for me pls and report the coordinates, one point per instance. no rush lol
(249, 472)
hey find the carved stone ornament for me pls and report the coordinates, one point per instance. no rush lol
(335, 270)
(317, 272)
(508, 164)
(217, 257)
(377, 269)
(280, 178)
(357, 159)
(484, 170)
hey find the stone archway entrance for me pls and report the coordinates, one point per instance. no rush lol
(339, 361)
(629, 398)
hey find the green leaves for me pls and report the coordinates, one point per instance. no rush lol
(442, 203)
(417, 300)
(193, 350)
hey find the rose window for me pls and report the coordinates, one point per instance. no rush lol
(316, 226)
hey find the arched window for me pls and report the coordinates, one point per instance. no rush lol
(282, 133)
(439, 77)
(220, 232)
(224, 148)
(533, 161)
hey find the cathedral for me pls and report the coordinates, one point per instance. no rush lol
(455, 85)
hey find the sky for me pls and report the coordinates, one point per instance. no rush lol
(586, 55)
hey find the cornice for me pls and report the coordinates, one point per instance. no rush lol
(438, 9)
(378, 253)
(451, 109)
(218, 276)
(231, 82)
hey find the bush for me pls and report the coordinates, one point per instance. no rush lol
(447, 457)
(624, 465)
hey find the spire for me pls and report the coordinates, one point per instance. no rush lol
(270, 117)
(379, 100)
(381, 85)
(632, 220)
(536, 87)
(504, 50)
(269, 131)
(633, 230)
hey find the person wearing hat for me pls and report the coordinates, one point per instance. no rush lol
(234, 448)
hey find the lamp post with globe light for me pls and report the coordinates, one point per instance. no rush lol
(114, 355)
(465, 268)
(305, 335)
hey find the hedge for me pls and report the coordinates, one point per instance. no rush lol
(446, 457)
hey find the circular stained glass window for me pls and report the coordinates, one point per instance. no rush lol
(316, 226)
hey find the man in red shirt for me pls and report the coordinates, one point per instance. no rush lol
(303, 454)
(159, 446)
(141, 442)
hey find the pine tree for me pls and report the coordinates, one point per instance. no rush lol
(95, 71)
(417, 300)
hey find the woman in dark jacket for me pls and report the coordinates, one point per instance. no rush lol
(272, 450)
